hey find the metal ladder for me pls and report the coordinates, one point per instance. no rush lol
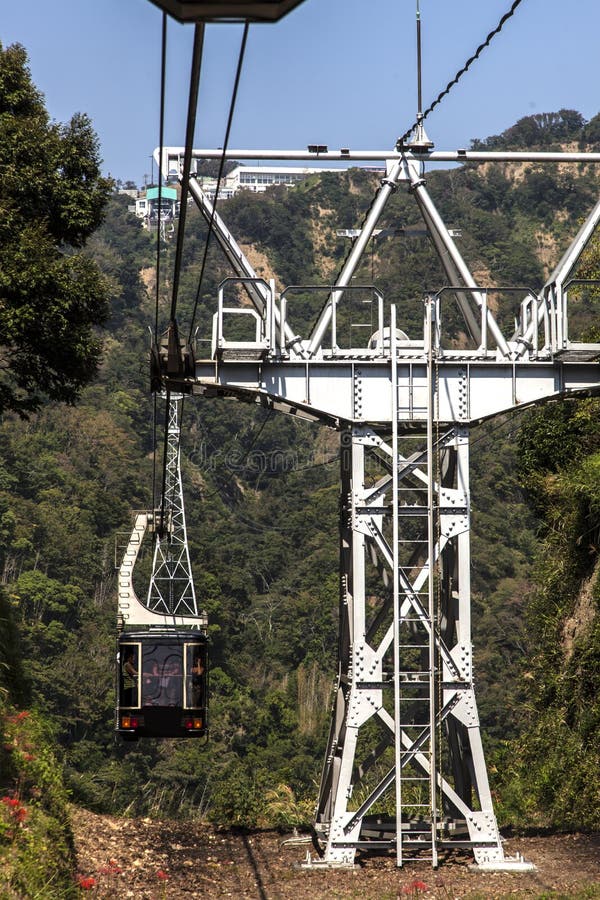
(415, 657)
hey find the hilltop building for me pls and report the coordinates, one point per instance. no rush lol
(243, 178)
(259, 178)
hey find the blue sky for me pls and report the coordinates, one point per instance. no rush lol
(335, 72)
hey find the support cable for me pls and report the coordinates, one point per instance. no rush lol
(187, 159)
(462, 71)
(163, 67)
(159, 532)
(432, 106)
(154, 464)
(236, 85)
(185, 179)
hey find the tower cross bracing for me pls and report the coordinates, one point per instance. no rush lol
(404, 767)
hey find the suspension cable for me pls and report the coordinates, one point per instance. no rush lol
(163, 68)
(462, 71)
(187, 159)
(159, 533)
(190, 129)
(437, 100)
(161, 128)
(234, 93)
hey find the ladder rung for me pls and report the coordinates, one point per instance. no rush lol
(414, 646)
(419, 841)
(415, 778)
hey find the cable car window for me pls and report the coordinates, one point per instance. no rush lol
(129, 680)
(162, 683)
(195, 680)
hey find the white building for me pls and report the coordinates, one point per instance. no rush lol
(259, 178)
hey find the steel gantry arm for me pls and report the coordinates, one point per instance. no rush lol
(471, 303)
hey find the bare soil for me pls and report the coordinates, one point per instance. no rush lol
(147, 859)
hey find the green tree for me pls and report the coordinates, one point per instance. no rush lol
(53, 196)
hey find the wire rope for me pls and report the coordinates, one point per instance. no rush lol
(154, 432)
(232, 104)
(159, 533)
(163, 68)
(196, 66)
(438, 100)
(187, 158)
(190, 130)
(462, 71)
(161, 128)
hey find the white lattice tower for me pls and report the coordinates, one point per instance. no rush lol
(171, 589)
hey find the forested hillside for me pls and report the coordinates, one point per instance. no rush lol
(262, 506)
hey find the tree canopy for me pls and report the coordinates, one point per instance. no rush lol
(52, 295)
(539, 130)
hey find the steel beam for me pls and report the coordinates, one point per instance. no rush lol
(348, 156)
(360, 391)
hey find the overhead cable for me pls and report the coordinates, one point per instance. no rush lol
(196, 66)
(187, 158)
(440, 97)
(462, 71)
(220, 174)
(161, 129)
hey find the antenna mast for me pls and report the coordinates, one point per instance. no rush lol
(418, 139)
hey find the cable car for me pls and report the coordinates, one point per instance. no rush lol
(162, 656)
(162, 684)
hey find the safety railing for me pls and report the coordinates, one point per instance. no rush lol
(493, 313)
(244, 324)
(357, 316)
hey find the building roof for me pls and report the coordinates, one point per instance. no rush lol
(167, 193)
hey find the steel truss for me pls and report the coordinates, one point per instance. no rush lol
(404, 767)
(405, 676)
(171, 590)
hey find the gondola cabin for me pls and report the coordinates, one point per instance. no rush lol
(162, 686)
(162, 657)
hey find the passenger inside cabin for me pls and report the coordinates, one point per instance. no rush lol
(172, 671)
(129, 678)
(151, 686)
(197, 682)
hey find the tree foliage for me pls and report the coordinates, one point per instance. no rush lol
(537, 130)
(551, 778)
(53, 196)
(262, 511)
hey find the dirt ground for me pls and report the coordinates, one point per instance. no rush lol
(147, 859)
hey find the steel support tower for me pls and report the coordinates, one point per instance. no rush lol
(404, 767)
(405, 728)
(171, 589)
